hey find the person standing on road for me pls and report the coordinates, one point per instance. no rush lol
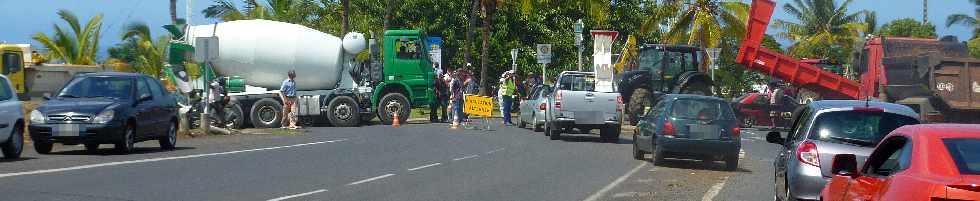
(471, 89)
(456, 94)
(287, 92)
(217, 101)
(507, 88)
(439, 105)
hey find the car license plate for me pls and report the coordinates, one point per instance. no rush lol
(66, 130)
(704, 131)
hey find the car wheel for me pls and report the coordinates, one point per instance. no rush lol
(535, 125)
(43, 147)
(14, 145)
(125, 145)
(169, 142)
(731, 162)
(551, 132)
(520, 121)
(637, 153)
(392, 103)
(658, 155)
(266, 113)
(343, 112)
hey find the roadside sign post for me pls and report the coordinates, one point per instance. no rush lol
(513, 59)
(544, 58)
(481, 106)
(713, 58)
(208, 51)
(578, 41)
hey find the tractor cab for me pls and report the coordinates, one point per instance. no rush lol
(667, 63)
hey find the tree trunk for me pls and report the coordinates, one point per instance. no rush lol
(344, 18)
(488, 8)
(173, 11)
(470, 26)
(387, 17)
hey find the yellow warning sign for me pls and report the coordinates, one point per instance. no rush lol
(478, 105)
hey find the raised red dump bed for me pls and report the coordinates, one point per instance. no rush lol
(753, 56)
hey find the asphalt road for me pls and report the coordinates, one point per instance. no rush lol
(414, 162)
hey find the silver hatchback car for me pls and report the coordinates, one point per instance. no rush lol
(823, 129)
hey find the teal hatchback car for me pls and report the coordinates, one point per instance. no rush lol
(689, 126)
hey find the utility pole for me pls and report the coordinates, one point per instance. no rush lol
(579, 26)
(925, 11)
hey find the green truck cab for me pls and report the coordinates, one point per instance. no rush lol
(407, 71)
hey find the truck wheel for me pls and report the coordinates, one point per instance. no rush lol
(266, 113)
(342, 112)
(638, 102)
(234, 116)
(391, 103)
(637, 153)
(552, 132)
(610, 134)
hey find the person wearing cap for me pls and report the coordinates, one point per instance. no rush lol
(287, 92)
(506, 90)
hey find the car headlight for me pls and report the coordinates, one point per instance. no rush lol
(37, 117)
(104, 117)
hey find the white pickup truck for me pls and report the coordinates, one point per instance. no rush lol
(577, 105)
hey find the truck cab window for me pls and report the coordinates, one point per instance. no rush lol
(408, 48)
(11, 63)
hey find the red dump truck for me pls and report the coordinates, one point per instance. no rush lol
(937, 78)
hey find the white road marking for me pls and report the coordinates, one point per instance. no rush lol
(158, 159)
(370, 179)
(741, 153)
(424, 166)
(466, 157)
(298, 195)
(714, 190)
(495, 150)
(598, 195)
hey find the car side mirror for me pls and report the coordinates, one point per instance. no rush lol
(775, 138)
(46, 96)
(844, 165)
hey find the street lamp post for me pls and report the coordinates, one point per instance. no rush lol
(578, 41)
(713, 58)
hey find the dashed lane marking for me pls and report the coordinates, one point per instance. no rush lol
(466, 157)
(602, 192)
(495, 150)
(159, 159)
(424, 166)
(298, 195)
(370, 179)
(714, 190)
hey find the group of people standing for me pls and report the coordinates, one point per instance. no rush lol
(451, 88)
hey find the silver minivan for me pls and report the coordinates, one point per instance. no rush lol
(823, 129)
(11, 121)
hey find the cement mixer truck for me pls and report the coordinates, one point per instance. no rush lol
(332, 87)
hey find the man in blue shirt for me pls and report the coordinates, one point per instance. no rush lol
(287, 92)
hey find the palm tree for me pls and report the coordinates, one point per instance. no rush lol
(661, 16)
(489, 7)
(79, 48)
(966, 20)
(173, 11)
(304, 12)
(150, 53)
(344, 17)
(824, 28)
(707, 21)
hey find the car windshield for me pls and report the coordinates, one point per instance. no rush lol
(701, 109)
(578, 82)
(966, 154)
(858, 128)
(98, 87)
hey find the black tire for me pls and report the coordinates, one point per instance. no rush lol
(92, 147)
(126, 144)
(234, 116)
(14, 145)
(343, 112)
(551, 131)
(536, 127)
(610, 134)
(43, 147)
(520, 121)
(169, 142)
(266, 113)
(638, 102)
(731, 162)
(658, 156)
(637, 153)
(391, 103)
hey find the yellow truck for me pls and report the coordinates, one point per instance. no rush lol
(12, 59)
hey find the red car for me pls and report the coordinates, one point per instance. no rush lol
(753, 110)
(915, 162)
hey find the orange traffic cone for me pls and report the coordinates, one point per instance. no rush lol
(395, 122)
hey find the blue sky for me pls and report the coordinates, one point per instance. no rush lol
(26, 17)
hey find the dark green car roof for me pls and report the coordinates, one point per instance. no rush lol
(691, 96)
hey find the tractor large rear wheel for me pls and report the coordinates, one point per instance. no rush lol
(638, 102)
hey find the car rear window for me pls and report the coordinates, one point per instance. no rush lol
(858, 128)
(966, 154)
(577, 82)
(701, 109)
